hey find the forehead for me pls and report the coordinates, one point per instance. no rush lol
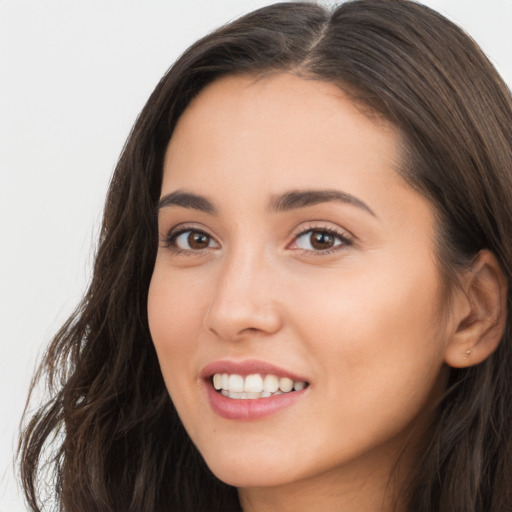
(282, 125)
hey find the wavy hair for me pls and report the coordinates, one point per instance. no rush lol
(109, 434)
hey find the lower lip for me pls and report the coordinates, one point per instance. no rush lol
(250, 408)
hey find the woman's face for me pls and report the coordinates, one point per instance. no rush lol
(293, 254)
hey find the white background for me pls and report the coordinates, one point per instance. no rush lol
(73, 76)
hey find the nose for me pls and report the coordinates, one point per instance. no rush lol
(245, 301)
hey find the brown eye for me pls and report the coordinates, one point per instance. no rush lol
(321, 240)
(198, 240)
(191, 240)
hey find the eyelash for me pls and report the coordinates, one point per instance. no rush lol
(342, 238)
(174, 234)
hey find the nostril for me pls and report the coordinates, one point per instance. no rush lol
(232, 316)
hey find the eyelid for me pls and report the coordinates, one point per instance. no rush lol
(180, 229)
(345, 237)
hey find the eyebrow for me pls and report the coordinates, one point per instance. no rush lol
(187, 200)
(292, 200)
(303, 198)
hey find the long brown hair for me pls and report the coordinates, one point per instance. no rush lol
(110, 435)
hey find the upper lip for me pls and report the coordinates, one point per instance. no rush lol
(248, 367)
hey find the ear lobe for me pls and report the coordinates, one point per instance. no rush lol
(480, 327)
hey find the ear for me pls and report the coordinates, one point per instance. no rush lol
(480, 309)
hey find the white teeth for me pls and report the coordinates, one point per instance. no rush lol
(254, 386)
(299, 385)
(236, 383)
(285, 384)
(271, 384)
(217, 381)
(253, 383)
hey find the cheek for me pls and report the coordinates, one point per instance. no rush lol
(174, 316)
(381, 360)
(378, 332)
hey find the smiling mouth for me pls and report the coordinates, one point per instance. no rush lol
(255, 385)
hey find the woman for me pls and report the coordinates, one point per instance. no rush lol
(300, 296)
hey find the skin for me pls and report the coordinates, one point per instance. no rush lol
(363, 322)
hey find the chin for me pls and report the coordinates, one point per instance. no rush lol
(241, 473)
